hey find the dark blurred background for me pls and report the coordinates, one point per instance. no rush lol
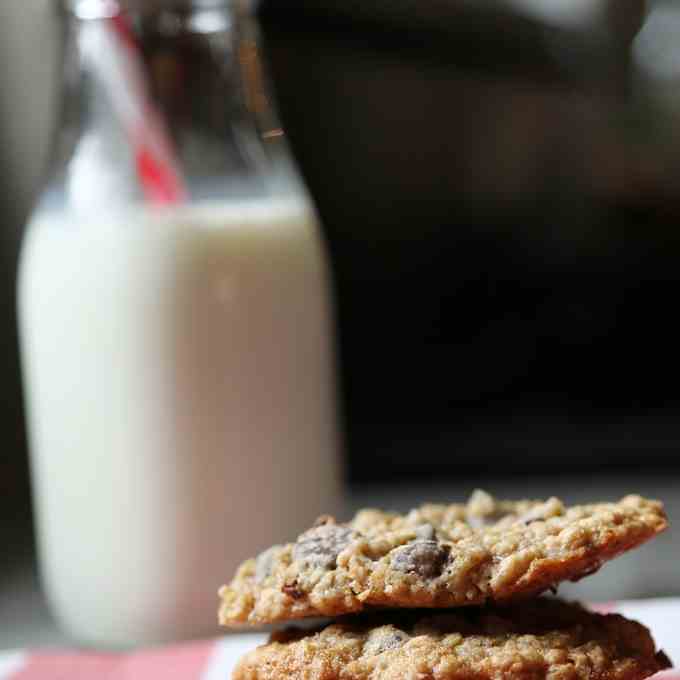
(499, 190)
(501, 209)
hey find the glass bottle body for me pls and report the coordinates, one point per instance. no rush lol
(176, 338)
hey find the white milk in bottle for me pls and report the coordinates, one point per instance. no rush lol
(177, 373)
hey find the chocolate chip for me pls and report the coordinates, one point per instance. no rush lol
(292, 590)
(321, 546)
(425, 558)
(264, 563)
(662, 660)
(383, 640)
(425, 532)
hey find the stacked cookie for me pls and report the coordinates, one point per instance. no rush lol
(447, 592)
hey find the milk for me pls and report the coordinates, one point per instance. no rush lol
(179, 385)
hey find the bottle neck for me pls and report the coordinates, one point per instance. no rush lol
(168, 92)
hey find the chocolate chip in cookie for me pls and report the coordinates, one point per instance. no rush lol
(320, 546)
(424, 558)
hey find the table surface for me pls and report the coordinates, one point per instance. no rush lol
(651, 571)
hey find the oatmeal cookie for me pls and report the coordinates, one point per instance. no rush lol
(435, 556)
(535, 640)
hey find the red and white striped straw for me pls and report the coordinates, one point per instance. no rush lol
(121, 65)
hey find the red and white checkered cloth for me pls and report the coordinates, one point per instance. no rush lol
(214, 659)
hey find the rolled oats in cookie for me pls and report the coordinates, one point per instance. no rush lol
(541, 639)
(437, 556)
(383, 638)
(264, 563)
(425, 532)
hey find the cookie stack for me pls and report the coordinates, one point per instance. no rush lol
(446, 592)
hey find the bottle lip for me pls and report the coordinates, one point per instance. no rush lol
(106, 9)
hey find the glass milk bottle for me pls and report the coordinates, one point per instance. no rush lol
(175, 325)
